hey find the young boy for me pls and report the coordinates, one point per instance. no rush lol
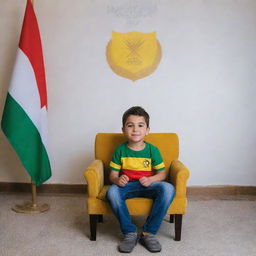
(137, 170)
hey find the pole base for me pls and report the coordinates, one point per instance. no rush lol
(30, 208)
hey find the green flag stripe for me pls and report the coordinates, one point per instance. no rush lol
(26, 140)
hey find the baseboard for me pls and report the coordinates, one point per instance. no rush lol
(10, 187)
(221, 190)
(208, 191)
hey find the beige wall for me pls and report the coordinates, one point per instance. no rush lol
(204, 88)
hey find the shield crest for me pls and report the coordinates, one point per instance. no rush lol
(133, 55)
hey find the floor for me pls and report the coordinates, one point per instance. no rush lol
(212, 227)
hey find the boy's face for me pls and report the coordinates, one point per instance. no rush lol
(135, 128)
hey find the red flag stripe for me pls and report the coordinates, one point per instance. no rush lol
(30, 44)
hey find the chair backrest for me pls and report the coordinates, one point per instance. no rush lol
(105, 144)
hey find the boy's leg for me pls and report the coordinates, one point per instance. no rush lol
(116, 196)
(163, 194)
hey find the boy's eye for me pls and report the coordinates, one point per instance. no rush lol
(129, 125)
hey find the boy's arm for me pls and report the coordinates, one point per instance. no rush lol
(120, 181)
(147, 181)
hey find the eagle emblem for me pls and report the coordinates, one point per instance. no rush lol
(133, 55)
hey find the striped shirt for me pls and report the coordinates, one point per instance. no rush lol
(137, 164)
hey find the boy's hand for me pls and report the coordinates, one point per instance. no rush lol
(123, 180)
(145, 181)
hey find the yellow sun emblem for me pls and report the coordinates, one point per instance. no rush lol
(133, 55)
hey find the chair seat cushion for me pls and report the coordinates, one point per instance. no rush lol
(136, 206)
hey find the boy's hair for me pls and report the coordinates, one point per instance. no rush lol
(136, 111)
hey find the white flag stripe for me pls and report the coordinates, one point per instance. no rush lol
(23, 87)
(43, 127)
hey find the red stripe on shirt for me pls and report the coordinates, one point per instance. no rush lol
(136, 175)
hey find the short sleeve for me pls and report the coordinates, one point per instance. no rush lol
(115, 163)
(157, 160)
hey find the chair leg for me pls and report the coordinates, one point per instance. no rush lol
(100, 218)
(171, 218)
(178, 225)
(93, 226)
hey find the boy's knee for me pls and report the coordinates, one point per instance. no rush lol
(113, 197)
(112, 192)
(167, 188)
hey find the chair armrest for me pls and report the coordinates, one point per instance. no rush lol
(178, 177)
(94, 177)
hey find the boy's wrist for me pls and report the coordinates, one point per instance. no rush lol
(151, 179)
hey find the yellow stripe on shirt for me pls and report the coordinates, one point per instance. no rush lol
(115, 166)
(136, 163)
(159, 166)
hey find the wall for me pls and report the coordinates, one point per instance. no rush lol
(204, 88)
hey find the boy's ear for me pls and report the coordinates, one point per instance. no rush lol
(148, 129)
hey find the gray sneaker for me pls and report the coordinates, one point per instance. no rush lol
(128, 243)
(150, 242)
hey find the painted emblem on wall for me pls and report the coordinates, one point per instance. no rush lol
(133, 55)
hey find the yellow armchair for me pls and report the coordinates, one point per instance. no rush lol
(97, 173)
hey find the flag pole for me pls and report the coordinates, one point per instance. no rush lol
(34, 196)
(33, 206)
(31, 48)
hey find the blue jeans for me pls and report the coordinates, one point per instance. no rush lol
(161, 192)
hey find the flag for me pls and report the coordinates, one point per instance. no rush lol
(24, 120)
